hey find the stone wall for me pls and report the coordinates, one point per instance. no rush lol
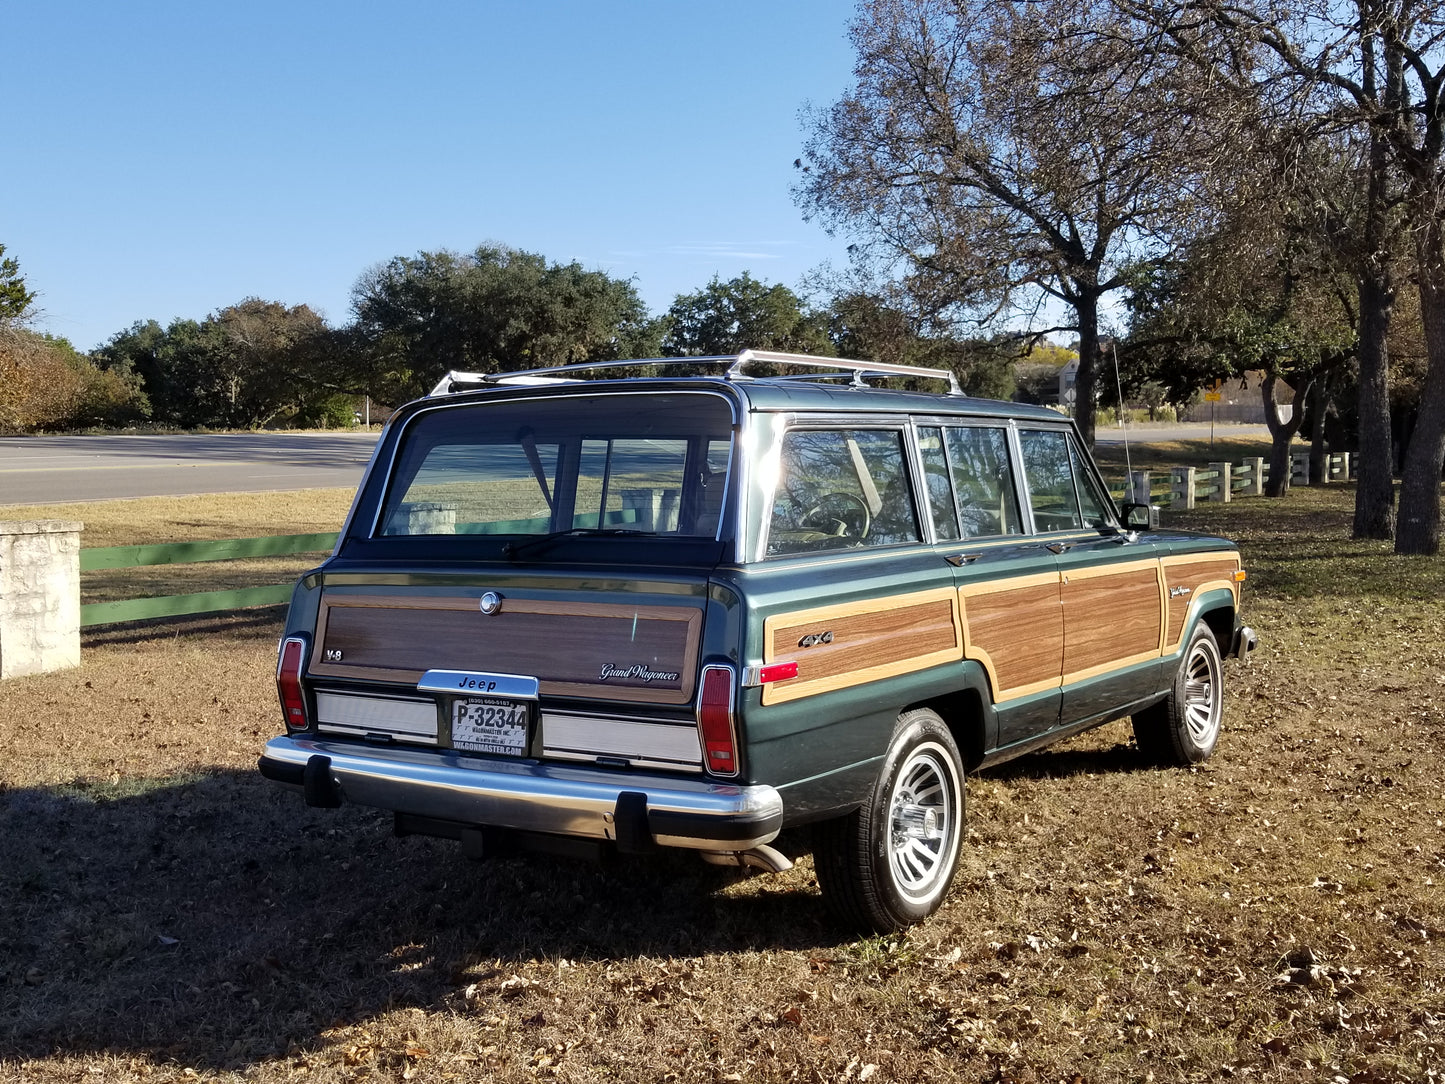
(39, 597)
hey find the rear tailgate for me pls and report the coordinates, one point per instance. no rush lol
(605, 672)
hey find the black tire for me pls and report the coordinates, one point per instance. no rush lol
(889, 863)
(1183, 728)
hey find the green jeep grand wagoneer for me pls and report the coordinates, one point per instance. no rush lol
(692, 611)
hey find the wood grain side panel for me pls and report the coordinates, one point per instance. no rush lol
(1186, 576)
(1016, 629)
(871, 640)
(649, 653)
(1111, 617)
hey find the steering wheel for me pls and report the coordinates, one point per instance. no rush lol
(841, 515)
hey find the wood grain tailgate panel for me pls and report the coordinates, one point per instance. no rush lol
(565, 646)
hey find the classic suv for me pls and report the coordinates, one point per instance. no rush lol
(619, 614)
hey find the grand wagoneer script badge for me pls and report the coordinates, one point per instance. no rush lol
(634, 673)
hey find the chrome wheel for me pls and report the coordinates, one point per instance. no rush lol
(1184, 727)
(889, 863)
(922, 821)
(1201, 700)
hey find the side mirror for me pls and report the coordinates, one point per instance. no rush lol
(1141, 517)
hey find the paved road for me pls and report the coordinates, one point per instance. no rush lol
(1145, 434)
(51, 470)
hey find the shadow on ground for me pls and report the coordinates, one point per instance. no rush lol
(219, 922)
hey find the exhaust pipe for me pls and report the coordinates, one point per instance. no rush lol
(763, 857)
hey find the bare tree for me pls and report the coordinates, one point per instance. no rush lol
(1008, 156)
(1377, 66)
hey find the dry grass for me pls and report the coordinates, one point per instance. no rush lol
(194, 519)
(1273, 915)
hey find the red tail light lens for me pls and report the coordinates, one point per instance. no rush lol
(288, 683)
(715, 720)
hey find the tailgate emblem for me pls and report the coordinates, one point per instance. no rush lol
(816, 638)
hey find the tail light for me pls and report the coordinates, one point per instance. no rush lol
(288, 683)
(715, 720)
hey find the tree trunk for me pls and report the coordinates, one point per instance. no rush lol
(1373, 466)
(1319, 454)
(1418, 529)
(1086, 383)
(1374, 458)
(1281, 433)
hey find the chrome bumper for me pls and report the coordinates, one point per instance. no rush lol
(1245, 641)
(589, 803)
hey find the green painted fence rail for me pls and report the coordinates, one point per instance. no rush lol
(184, 553)
(140, 609)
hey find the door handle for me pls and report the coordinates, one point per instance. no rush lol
(958, 560)
(1061, 547)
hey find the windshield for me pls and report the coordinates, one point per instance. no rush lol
(652, 464)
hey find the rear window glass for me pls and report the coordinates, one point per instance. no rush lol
(651, 464)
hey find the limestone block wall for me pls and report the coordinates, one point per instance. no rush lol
(39, 596)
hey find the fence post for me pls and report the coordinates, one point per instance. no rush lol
(39, 596)
(1181, 487)
(1299, 472)
(1137, 489)
(1255, 465)
(1224, 478)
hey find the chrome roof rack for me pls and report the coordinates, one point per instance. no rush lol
(835, 369)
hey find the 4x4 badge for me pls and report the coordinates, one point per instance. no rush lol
(813, 639)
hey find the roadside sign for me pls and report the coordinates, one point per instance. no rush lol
(1211, 394)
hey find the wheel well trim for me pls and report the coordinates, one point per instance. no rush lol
(967, 709)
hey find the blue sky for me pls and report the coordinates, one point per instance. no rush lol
(169, 159)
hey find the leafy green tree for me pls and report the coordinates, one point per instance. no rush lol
(740, 314)
(493, 309)
(250, 364)
(15, 299)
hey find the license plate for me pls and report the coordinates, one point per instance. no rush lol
(490, 725)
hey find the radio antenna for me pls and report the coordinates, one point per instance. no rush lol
(1119, 385)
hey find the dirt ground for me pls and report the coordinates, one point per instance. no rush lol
(1273, 915)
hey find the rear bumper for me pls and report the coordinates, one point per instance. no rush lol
(581, 802)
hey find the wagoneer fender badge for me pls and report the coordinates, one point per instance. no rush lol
(1175, 592)
(490, 602)
(476, 681)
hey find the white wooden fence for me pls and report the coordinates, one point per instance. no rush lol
(1225, 481)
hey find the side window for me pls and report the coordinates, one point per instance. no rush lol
(1093, 500)
(840, 489)
(983, 480)
(935, 476)
(1050, 476)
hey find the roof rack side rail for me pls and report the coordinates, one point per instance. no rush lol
(862, 368)
(736, 364)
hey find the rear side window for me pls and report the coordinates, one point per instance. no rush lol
(840, 489)
(940, 487)
(983, 481)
